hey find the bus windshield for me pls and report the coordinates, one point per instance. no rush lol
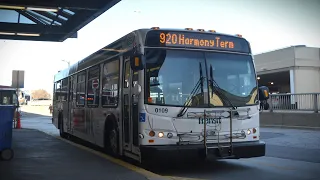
(235, 76)
(172, 75)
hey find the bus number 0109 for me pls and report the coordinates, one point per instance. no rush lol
(161, 110)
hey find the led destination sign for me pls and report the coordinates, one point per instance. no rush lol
(197, 40)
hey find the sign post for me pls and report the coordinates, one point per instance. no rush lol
(17, 79)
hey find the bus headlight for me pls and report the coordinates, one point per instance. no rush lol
(160, 134)
(169, 135)
(248, 131)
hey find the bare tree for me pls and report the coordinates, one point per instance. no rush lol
(39, 94)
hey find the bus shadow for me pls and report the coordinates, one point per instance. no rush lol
(179, 166)
(189, 167)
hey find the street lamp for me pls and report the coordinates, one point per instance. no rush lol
(66, 62)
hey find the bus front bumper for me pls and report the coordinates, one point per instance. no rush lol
(240, 150)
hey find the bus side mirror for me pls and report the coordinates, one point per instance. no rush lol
(136, 62)
(263, 93)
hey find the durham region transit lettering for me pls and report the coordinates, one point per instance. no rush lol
(182, 39)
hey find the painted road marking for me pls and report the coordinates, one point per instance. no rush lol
(142, 171)
(182, 178)
(150, 175)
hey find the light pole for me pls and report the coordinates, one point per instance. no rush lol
(138, 16)
(66, 62)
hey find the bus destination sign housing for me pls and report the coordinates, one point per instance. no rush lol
(197, 40)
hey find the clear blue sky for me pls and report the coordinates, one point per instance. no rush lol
(267, 24)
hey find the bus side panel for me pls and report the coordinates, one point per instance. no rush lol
(73, 103)
(98, 115)
(64, 103)
(65, 115)
(55, 103)
(55, 114)
(98, 123)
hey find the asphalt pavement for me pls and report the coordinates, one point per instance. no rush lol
(291, 154)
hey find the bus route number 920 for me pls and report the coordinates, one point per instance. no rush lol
(161, 110)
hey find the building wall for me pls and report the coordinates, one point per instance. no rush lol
(307, 80)
(307, 57)
(274, 60)
(304, 61)
(307, 70)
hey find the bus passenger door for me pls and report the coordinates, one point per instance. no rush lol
(126, 106)
(134, 114)
(130, 111)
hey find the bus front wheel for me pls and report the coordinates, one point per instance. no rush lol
(112, 142)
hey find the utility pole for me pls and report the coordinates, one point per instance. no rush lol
(66, 62)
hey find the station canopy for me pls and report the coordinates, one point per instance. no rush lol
(48, 20)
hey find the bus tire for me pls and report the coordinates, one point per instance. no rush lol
(114, 142)
(111, 139)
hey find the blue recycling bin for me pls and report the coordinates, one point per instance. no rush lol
(6, 123)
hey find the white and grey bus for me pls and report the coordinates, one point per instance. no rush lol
(164, 91)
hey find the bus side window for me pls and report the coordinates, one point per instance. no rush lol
(135, 78)
(81, 87)
(64, 90)
(126, 75)
(57, 90)
(93, 90)
(110, 82)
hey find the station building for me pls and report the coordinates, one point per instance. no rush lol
(294, 69)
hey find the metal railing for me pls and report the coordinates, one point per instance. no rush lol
(295, 102)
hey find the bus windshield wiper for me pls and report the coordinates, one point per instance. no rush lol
(198, 85)
(216, 89)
